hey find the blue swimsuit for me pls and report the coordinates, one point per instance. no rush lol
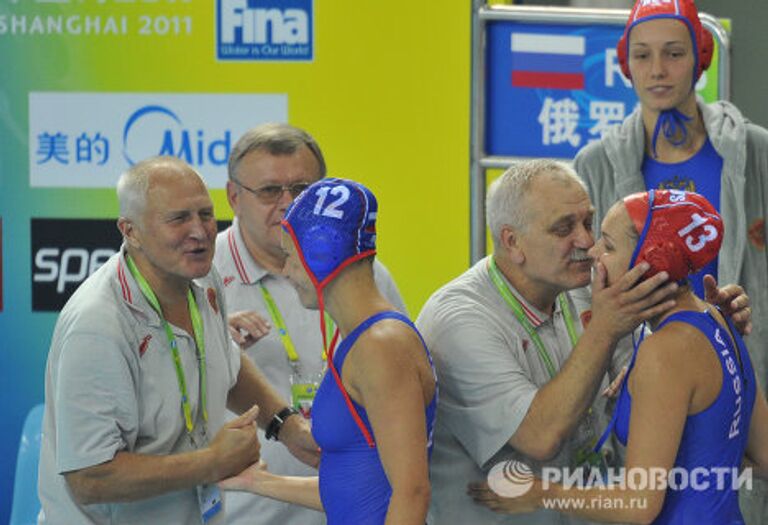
(353, 485)
(712, 439)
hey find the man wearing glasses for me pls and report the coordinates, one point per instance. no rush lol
(268, 167)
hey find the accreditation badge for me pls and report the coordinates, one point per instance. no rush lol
(303, 392)
(209, 500)
(592, 465)
(302, 397)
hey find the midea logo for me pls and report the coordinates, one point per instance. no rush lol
(157, 130)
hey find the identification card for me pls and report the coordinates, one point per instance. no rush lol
(592, 466)
(209, 500)
(302, 397)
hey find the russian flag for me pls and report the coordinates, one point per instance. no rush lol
(548, 61)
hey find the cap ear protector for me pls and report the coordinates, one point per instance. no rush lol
(679, 232)
(683, 10)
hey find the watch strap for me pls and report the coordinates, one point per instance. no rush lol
(276, 423)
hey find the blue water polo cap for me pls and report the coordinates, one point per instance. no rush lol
(332, 224)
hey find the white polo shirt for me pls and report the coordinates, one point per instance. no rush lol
(111, 386)
(242, 277)
(489, 372)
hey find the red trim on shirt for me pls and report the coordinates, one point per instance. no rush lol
(531, 315)
(123, 282)
(233, 249)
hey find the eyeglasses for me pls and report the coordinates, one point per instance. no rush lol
(271, 193)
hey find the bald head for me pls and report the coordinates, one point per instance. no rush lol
(134, 185)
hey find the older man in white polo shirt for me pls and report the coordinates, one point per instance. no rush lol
(269, 166)
(141, 370)
(519, 353)
(518, 371)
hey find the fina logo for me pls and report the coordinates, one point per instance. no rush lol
(156, 130)
(264, 30)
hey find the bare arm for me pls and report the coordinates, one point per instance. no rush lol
(379, 374)
(560, 404)
(129, 476)
(256, 479)
(252, 387)
(660, 378)
(388, 373)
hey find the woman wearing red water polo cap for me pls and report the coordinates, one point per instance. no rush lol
(675, 141)
(689, 410)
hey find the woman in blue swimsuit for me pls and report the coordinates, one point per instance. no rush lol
(375, 409)
(689, 406)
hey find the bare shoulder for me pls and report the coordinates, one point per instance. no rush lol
(387, 355)
(389, 342)
(675, 341)
(671, 353)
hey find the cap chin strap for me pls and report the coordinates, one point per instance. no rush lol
(319, 288)
(330, 348)
(335, 372)
(644, 233)
(671, 122)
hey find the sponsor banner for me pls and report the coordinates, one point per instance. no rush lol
(64, 253)
(273, 30)
(37, 20)
(86, 140)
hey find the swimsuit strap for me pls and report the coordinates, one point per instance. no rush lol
(349, 342)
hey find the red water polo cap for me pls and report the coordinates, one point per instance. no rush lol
(683, 10)
(680, 232)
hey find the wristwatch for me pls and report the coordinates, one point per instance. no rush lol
(276, 423)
